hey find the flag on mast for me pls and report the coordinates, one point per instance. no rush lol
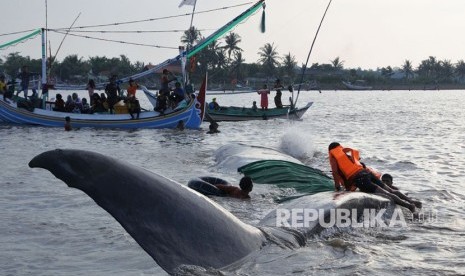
(187, 2)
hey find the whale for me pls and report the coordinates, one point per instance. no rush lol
(176, 225)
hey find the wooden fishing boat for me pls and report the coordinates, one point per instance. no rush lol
(12, 112)
(234, 113)
(357, 85)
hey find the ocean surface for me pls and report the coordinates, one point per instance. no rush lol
(416, 136)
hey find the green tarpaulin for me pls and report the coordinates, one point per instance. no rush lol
(21, 39)
(285, 174)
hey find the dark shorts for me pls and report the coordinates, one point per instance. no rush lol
(365, 181)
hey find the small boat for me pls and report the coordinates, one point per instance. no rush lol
(234, 113)
(357, 85)
(190, 115)
(229, 92)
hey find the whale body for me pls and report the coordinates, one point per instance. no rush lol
(174, 224)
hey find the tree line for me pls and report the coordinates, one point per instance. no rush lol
(225, 64)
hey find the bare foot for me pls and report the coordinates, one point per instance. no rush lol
(412, 208)
(417, 204)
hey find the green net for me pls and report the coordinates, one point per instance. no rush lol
(285, 174)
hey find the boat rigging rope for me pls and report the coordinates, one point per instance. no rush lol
(311, 48)
(154, 19)
(128, 32)
(117, 41)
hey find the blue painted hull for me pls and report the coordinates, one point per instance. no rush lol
(10, 113)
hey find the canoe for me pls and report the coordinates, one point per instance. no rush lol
(234, 113)
(358, 85)
(190, 115)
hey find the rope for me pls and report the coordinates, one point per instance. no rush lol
(117, 41)
(155, 19)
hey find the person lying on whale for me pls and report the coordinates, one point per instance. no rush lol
(388, 180)
(214, 186)
(385, 182)
(349, 172)
(245, 184)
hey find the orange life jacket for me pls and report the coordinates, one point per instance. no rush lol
(348, 166)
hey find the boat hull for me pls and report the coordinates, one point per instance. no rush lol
(351, 86)
(234, 113)
(10, 113)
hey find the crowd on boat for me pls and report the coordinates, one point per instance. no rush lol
(112, 100)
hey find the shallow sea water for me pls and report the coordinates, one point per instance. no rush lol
(417, 136)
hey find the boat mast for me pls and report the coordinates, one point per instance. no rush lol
(44, 61)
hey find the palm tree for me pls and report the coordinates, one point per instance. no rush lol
(231, 41)
(460, 69)
(289, 65)
(191, 36)
(237, 64)
(268, 58)
(445, 70)
(337, 63)
(407, 69)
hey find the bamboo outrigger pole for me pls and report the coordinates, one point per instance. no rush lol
(308, 57)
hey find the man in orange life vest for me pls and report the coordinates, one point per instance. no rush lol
(349, 172)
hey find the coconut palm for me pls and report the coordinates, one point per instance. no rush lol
(288, 66)
(445, 70)
(407, 69)
(191, 36)
(337, 63)
(237, 65)
(269, 58)
(231, 41)
(460, 69)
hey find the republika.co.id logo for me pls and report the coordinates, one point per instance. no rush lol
(366, 218)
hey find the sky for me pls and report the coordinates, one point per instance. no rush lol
(364, 34)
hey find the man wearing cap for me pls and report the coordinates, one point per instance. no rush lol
(213, 105)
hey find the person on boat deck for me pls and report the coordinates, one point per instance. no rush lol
(10, 90)
(178, 93)
(347, 171)
(213, 128)
(69, 104)
(166, 78)
(133, 106)
(59, 103)
(77, 103)
(213, 105)
(132, 88)
(104, 100)
(85, 109)
(264, 97)
(3, 89)
(112, 90)
(254, 106)
(91, 89)
(25, 77)
(277, 99)
(245, 184)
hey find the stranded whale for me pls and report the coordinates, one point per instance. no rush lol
(175, 225)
